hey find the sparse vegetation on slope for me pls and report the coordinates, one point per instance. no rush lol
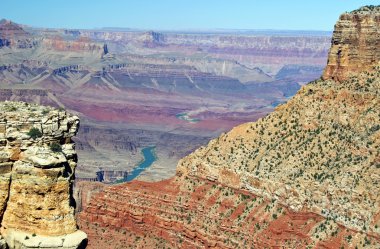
(318, 151)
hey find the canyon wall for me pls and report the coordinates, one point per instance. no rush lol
(355, 43)
(37, 165)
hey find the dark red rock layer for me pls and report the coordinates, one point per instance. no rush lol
(197, 213)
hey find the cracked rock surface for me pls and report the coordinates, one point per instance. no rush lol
(37, 165)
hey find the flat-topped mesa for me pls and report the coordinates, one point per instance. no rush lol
(37, 164)
(355, 44)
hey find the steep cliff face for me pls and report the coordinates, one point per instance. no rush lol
(355, 43)
(10, 30)
(37, 164)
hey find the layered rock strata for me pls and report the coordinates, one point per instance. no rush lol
(12, 35)
(198, 213)
(355, 43)
(37, 165)
(305, 176)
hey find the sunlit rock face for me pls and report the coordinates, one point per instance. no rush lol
(37, 164)
(355, 43)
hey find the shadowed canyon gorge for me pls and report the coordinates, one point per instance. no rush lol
(298, 169)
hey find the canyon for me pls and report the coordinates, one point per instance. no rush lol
(296, 171)
(304, 176)
(132, 88)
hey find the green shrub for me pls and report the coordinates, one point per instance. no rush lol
(55, 147)
(34, 133)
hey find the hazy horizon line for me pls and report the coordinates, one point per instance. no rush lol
(217, 30)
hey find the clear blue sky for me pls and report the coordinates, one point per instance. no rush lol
(180, 14)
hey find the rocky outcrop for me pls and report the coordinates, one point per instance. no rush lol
(37, 165)
(355, 43)
(10, 29)
(152, 39)
(13, 35)
(68, 69)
